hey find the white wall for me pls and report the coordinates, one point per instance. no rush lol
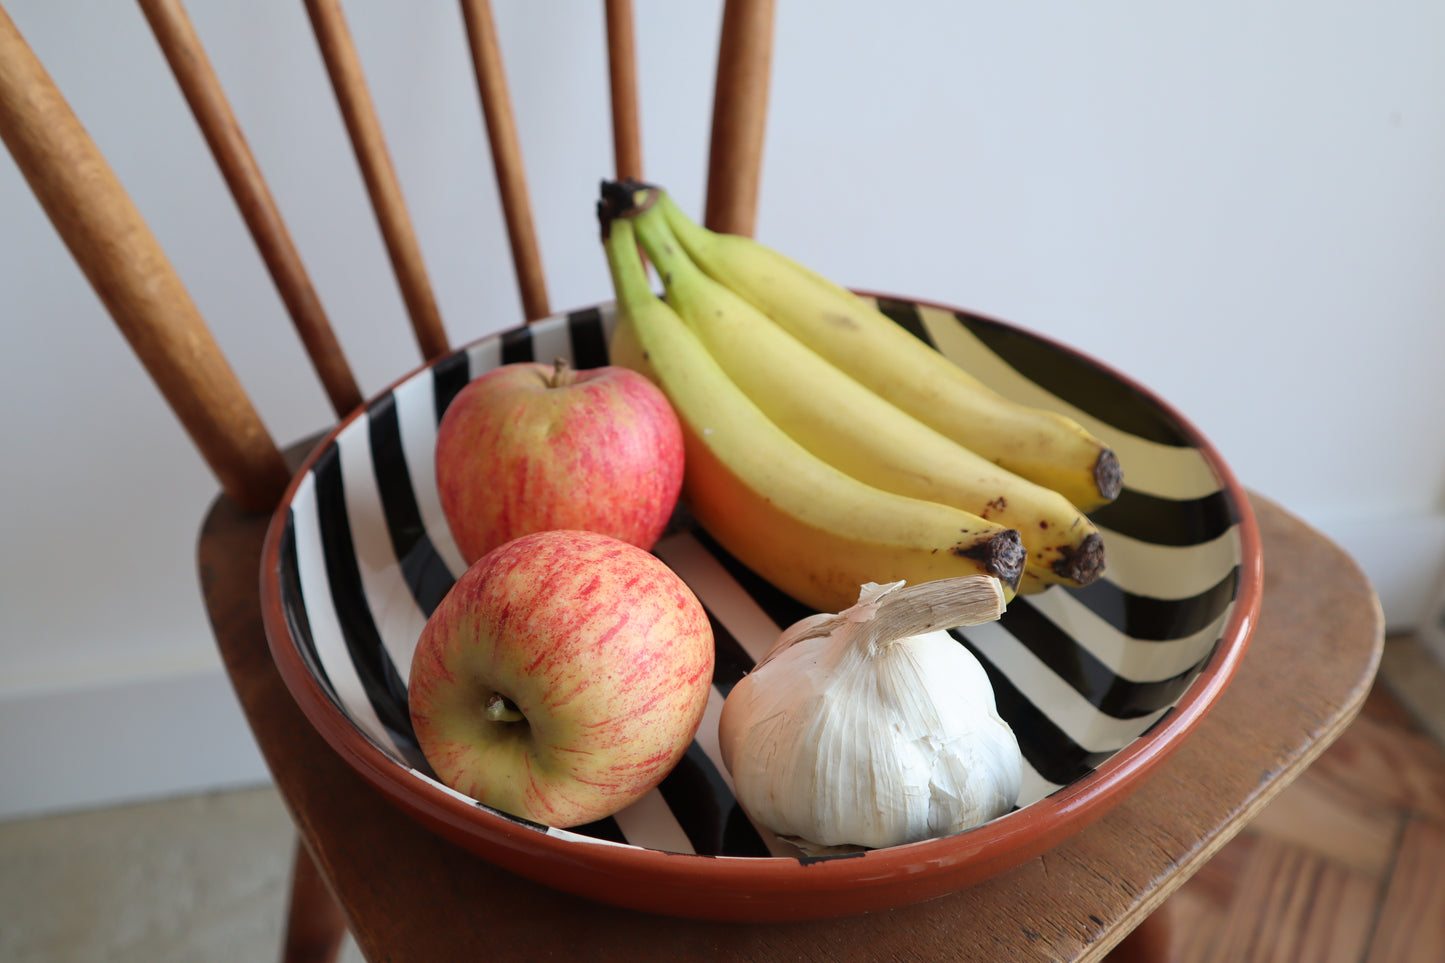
(1238, 203)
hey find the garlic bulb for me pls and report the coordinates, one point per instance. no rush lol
(874, 727)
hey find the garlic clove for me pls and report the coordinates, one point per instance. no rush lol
(873, 726)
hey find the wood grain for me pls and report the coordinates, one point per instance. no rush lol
(1378, 764)
(408, 895)
(1293, 905)
(1411, 927)
(124, 263)
(1345, 862)
(1333, 826)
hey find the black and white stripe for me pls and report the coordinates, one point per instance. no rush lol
(366, 557)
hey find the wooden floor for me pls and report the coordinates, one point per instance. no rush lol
(1346, 866)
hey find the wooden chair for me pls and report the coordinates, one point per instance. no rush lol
(404, 893)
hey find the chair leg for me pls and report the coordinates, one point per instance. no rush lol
(1148, 943)
(315, 925)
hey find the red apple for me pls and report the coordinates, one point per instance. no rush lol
(562, 677)
(529, 447)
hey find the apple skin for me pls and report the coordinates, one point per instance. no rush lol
(602, 650)
(530, 447)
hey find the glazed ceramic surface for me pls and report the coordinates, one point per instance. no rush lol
(1099, 684)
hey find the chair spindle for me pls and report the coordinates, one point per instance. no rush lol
(125, 264)
(740, 102)
(506, 156)
(622, 77)
(343, 65)
(183, 50)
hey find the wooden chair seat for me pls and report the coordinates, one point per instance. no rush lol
(408, 895)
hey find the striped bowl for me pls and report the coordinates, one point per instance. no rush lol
(1099, 684)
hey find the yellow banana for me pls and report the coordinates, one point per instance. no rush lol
(809, 529)
(857, 431)
(1047, 448)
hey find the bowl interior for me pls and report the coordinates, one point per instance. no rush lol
(365, 555)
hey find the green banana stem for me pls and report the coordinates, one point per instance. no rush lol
(689, 231)
(688, 287)
(666, 253)
(629, 277)
(634, 297)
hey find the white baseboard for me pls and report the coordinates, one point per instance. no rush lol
(136, 740)
(111, 743)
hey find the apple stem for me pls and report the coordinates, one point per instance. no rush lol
(562, 374)
(501, 709)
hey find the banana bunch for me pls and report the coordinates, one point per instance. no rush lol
(827, 447)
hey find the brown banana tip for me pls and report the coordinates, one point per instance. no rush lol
(1082, 563)
(1108, 475)
(604, 219)
(621, 197)
(1002, 556)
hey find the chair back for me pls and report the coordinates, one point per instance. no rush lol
(108, 237)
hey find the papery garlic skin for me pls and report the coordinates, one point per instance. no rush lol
(875, 744)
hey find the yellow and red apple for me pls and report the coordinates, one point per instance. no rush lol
(562, 677)
(530, 447)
